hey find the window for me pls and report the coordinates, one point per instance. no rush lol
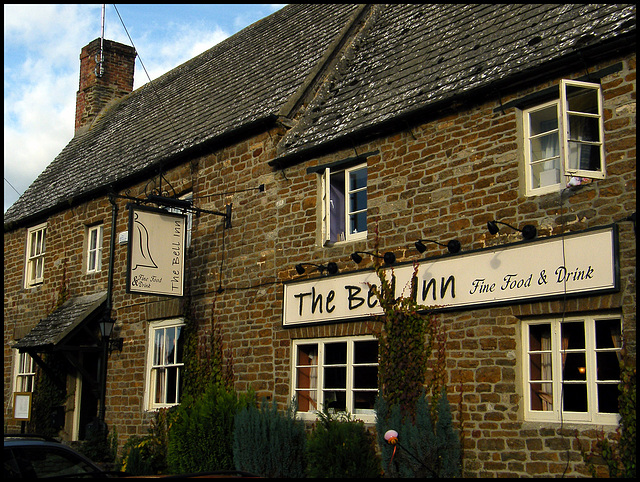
(564, 138)
(165, 363)
(340, 374)
(34, 266)
(344, 204)
(25, 372)
(94, 249)
(572, 369)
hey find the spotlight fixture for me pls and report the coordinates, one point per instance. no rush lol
(331, 267)
(528, 231)
(453, 246)
(389, 257)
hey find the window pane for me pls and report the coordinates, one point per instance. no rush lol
(608, 334)
(337, 207)
(540, 366)
(541, 396)
(159, 385)
(574, 397)
(545, 147)
(335, 377)
(335, 353)
(358, 201)
(365, 377)
(172, 384)
(573, 336)
(584, 156)
(180, 344)
(581, 99)
(306, 400)
(364, 400)
(358, 179)
(307, 354)
(540, 337)
(574, 366)
(607, 366)
(336, 400)
(358, 223)
(584, 128)
(607, 398)
(158, 347)
(365, 352)
(543, 120)
(170, 340)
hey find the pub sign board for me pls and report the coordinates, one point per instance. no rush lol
(155, 260)
(570, 265)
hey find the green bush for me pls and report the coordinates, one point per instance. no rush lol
(341, 447)
(269, 443)
(201, 435)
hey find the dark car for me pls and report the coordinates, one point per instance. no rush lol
(34, 456)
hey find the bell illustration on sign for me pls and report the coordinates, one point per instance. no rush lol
(142, 255)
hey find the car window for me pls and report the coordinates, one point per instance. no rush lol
(51, 462)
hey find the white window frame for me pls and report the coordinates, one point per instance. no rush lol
(316, 373)
(552, 356)
(346, 210)
(35, 253)
(557, 175)
(94, 248)
(24, 372)
(156, 371)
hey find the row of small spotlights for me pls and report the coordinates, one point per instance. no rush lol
(528, 232)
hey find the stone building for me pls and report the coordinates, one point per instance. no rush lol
(232, 191)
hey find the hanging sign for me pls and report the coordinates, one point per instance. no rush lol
(569, 265)
(155, 262)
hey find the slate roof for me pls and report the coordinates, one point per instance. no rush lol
(57, 326)
(238, 83)
(415, 58)
(406, 60)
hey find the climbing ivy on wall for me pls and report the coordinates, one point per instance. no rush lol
(407, 339)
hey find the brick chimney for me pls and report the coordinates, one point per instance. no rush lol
(100, 87)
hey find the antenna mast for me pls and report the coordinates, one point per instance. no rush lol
(100, 67)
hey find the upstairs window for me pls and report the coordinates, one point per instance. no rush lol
(344, 204)
(34, 265)
(94, 249)
(564, 138)
(572, 369)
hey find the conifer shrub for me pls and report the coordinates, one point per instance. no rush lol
(425, 447)
(340, 446)
(201, 435)
(269, 443)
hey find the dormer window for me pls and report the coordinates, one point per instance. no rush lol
(564, 138)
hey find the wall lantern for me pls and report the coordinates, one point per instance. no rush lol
(106, 329)
(389, 257)
(453, 246)
(528, 231)
(331, 267)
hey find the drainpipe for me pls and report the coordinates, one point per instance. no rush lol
(107, 313)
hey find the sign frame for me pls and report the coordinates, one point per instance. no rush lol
(321, 300)
(161, 267)
(22, 406)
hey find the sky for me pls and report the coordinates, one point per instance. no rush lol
(42, 46)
